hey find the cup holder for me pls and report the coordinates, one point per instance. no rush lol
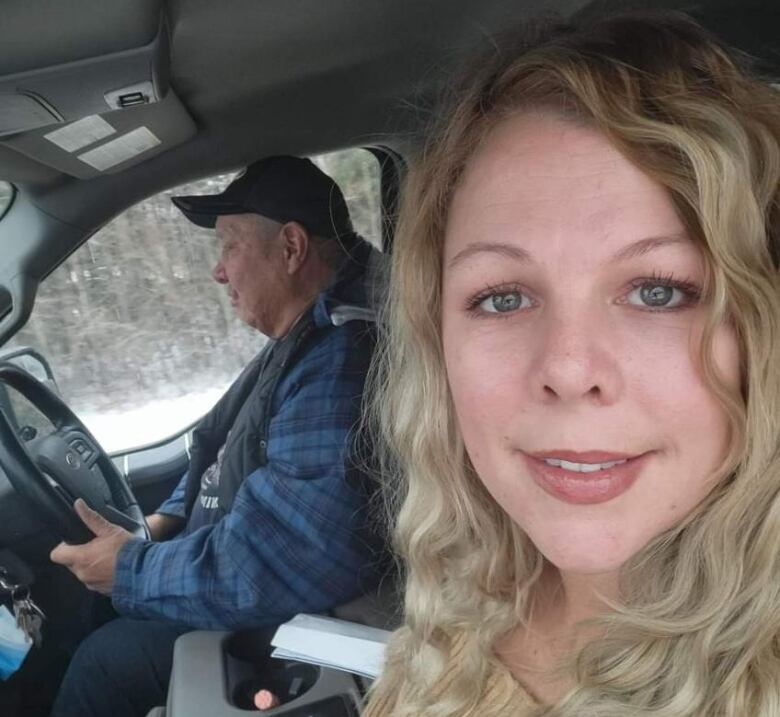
(288, 681)
(249, 668)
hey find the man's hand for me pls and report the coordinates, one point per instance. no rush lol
(94, 562)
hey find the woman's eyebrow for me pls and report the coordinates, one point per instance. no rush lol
(644, 246)
(507, 250)
(510, 251)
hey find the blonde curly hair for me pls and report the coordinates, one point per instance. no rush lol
(697, 631)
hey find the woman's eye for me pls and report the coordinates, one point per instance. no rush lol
(657, 295)
(504, 302)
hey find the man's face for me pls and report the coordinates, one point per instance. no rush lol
(250, 263)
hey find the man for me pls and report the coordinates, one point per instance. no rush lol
(269, 520)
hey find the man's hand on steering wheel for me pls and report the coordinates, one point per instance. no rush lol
(52, 470)
(93, 563)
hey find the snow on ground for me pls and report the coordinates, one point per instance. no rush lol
(120, 430)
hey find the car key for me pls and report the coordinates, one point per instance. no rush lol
(29, 617)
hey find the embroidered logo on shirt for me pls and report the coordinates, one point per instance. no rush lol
(209, 482)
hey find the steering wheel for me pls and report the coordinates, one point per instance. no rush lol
(51, 471)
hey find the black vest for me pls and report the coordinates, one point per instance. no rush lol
(245, 413)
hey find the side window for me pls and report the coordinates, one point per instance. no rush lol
(356, 171)
(141, 339)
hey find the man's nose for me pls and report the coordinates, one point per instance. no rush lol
(218, 274)
(576, 360)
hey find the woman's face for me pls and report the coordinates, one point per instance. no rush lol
(570, 319)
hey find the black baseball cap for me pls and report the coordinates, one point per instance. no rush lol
(281, 188)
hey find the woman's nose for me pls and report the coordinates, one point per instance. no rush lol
(577, 360)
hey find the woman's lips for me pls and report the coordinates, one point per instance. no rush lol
(585, 488)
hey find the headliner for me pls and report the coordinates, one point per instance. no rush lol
(264, 77)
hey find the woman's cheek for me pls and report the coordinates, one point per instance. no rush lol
(655, 349)
(483, 361)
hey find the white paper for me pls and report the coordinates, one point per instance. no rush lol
(329, 642)
(78, 135)
(120, 149)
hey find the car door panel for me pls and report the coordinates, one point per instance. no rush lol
(153, 472)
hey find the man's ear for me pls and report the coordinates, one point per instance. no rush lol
(295, 246)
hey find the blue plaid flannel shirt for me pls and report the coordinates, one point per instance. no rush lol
(294, 540)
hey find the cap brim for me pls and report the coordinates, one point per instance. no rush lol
(204, 210)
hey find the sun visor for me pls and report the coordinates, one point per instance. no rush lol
(36, 94)
(108, 143)
(96, 103)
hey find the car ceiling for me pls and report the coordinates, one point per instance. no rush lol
(248, 78)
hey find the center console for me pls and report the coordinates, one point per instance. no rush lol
(216, 674)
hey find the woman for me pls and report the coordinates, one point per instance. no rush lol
(581, 387)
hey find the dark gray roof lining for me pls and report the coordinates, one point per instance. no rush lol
(269, 76)
(262, 76)
(31, 31)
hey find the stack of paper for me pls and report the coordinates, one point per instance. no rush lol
(329, 642)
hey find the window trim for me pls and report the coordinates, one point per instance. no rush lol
(11, 199)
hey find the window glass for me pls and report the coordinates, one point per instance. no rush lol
(6, 197)
(26, 414)
(356, 172)
(142, 341)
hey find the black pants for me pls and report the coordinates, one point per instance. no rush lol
(120, 670)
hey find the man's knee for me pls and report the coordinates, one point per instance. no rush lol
(111, 652)
(125, 663)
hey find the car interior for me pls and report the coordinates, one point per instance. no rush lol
(103, 104)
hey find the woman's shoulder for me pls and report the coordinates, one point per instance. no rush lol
(501, 693)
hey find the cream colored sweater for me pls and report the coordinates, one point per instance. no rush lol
(502, 692)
